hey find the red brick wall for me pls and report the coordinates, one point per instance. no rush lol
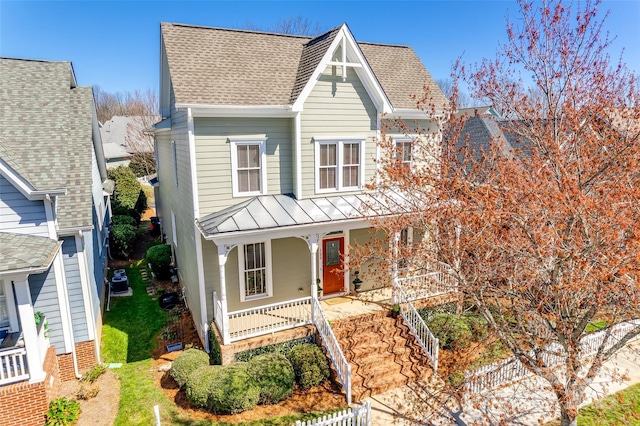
(24, 404)
(86, 354)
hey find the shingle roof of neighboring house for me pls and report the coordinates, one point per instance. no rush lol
(277, 211)
(217, 66)
(122, 136)
(26, 252)
(46, 133)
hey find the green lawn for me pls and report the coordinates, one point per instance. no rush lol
(621, 408)
(129, 337)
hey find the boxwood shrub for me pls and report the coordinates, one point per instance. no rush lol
(233, 389)
(123, 219)
(309, 364)
(452, 330)
(121, 240)
(160, 259)
(188, 362)
(198, 385)
(274, 375)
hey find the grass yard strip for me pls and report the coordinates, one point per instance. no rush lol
(621, 408)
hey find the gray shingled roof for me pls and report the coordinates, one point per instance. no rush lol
(26, 252)
(46, 132)
(278, 211)
(234, 67)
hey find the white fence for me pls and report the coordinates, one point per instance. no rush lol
(431, 284)
(511, 369)
(357, 416)
(418, 327)
(261, 320)
(343, 369)
(13, 366)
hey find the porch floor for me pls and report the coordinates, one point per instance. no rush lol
(352, 305)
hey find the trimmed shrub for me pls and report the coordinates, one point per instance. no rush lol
(141, 202)
(123, 220)
(121, 240)
(123, 211)
(160, 259)
(199, 384)
(478, 326)
(274, 375)
(215, 351)
(62, 412)
(127, 188)
(310, 365)
(233, 389)
(283, 348)
(188, 362)
(452, 330)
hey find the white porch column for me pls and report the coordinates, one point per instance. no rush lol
(313, 241)
(29, 331)
(223, 253)
(394, 266)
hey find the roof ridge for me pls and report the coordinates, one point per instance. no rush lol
(48, 61)
(238, 30)
(373, 43)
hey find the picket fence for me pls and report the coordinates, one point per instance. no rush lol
(510, 370)
(356, 416)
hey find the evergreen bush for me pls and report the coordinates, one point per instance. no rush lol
(123, 220)
(141, 202)
(188, 362)
(127, 188)
(274, 375)
(122, 238)
(233, 389)
(198, 385)
(452, 330)
(160, 259)
(309, 364)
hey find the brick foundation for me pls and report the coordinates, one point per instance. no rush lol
(24, 404)
(86, 353)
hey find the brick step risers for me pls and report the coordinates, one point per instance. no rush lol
(382, 353)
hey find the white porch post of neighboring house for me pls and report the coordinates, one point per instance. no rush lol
(29, 331)
(313, 241)
(223, 253)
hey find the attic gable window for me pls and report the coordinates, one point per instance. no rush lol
(248, 166)
(339, 164)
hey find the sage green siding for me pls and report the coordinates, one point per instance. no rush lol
(213, 157)
(179, 200)
(337, 108)
(429, 146)
(373, 274)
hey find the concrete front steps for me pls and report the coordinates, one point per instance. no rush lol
(382, 352)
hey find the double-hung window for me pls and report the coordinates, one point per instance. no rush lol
(404, 150)
(248, 164)
(339, 164)
(254, 261)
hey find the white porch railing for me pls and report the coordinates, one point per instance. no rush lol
(343, 369)
(261, 320)
(13, 366)
(356, 416)
(431, 284)
(510, 370)
(418, 327)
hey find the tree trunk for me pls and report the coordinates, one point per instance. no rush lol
(567, 419)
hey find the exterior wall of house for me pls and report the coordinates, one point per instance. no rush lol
(371, 274)
(44, 295)
(74, 289)
(24, 404)
(337, 109)
(20, 215)
(428, 132)
(213, 157)
(211, 273)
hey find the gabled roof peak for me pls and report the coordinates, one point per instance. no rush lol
(234, 30)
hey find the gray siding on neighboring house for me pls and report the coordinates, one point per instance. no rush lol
(20, 215)
(45, 299)
(337, 109)
(74, 289)
(213, 157)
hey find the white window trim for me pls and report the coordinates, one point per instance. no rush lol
(174, 156)
(262, 142)
(403, 140)
(267, 254)
(339, 163)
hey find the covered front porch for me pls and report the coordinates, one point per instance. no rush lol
(23, 335)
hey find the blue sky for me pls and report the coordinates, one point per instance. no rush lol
(116, 44)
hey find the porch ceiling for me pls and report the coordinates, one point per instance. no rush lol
(25, 252)
(278, 211)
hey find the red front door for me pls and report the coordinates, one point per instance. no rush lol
(332, 275)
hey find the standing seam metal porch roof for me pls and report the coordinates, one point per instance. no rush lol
(278, 211)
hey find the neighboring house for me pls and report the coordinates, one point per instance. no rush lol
(122, 136)
(54, 218)
(266, 144)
